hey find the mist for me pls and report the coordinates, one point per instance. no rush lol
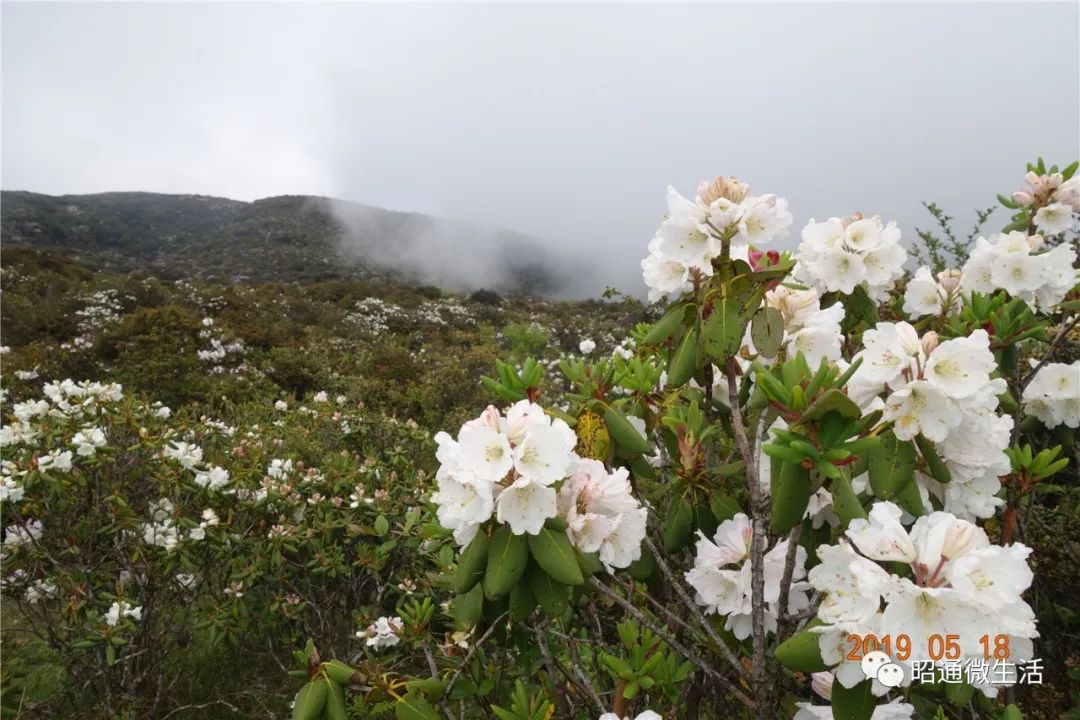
(547, 132)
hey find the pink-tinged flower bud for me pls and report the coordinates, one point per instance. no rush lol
(854, 217)
(949, 280)
(929, 342)
(1032, 178)
(723, 187)
(1035, 242)
(1023, 197)
(1054, 180)
(821, 683)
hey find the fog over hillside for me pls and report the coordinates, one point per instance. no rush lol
(291, 237)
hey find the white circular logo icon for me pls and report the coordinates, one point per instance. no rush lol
(872, 662)
(890, 675)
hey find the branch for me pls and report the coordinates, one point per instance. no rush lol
(1066, 328)
(468, 655)
(693, 607)
(759, 511)
(672, 642)
(785, 582)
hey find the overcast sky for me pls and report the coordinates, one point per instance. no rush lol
(562, 121)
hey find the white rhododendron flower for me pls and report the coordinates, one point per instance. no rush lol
(821, 683)
(121, 609)
(1007, 261)
(959, 584)
(383, 633)
(724, 589)
(1054, 218)
(838, 255)
(942, 391)
(927, 295)
(601, 513)
(88, 440)
(691, 235)
(56, 461)
(646, 715)
(586, 346)
(213, 479)
(522, 469)
(186, 454)
(1053, 395)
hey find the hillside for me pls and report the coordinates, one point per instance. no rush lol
(281, 239)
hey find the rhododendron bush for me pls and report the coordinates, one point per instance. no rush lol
(810, 456)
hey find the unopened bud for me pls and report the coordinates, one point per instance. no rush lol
(1035, 242)
(929, 342)
(854, 217)
(821, 683)
(949, 280)
(723, 187)
(1023, 197)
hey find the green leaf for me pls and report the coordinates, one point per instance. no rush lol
(430, 687)
(663, 328)
(553, 597)
(553, 552)
(642, 568)
(858, 307)
(468, 607)
(310, 701)
(684, 360)
(625, 434)
(522, 601)
(339, 672)
(415, 707)
(845, 501)
(507, 557)
(679, 528)
(1011, 712)
(858, 703)
(382, 526)
(335, 701)
(471, 563)
(832, 400)
(723, 331)
(801, 652)
(938, 470)
(790, 494)
(767, 331)
(891, 466)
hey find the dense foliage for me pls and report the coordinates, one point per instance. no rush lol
(369, 499)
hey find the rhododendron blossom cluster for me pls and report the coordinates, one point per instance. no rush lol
(722, 573)
(840, 254)
(1053, 395)
(942, 391)
(693, 232)
(521, 468)
(959, 583)
(1012, 262)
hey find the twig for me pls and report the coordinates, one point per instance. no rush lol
(468, 655)
(672, 642)
(693, 607)
(1066, 328)
(759, 509)
(785, 582)
(583, 678)
(182, 708)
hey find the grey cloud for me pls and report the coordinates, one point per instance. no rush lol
(563, 122)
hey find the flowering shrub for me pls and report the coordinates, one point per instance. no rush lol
(804, 458)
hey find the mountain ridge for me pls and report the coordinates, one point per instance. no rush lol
(283, 238)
